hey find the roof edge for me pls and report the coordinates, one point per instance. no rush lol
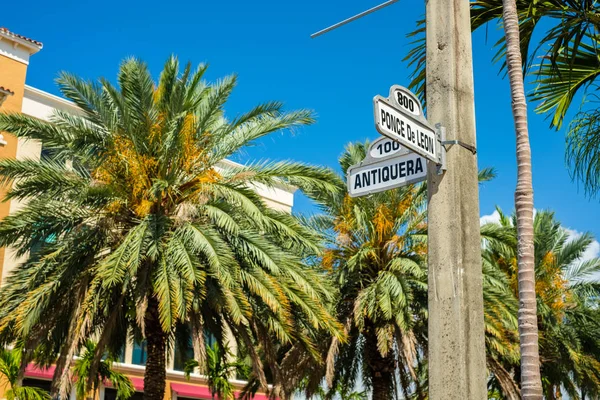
(32, 45)
(49, 96)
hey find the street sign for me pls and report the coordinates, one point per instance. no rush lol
(386, 166)
(400, 117)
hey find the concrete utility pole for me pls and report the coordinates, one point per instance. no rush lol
(457, 367)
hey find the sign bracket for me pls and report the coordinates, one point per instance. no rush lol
(472, 149)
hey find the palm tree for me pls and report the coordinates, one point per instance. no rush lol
(219, 369)
(104, 373)
(10, 365)
(376, 252)
(531, 384)
(142, 225)
(376, 255)
(500, 316)
(567, 297)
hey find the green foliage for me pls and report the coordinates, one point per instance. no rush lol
(82, 369)
(221, 367)
(486, 175)
(583, 144)
(376, 254)
(136, 206)
(10, 365)
(340, 391)
(567, 291)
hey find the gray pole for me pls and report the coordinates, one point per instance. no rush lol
(457, 368)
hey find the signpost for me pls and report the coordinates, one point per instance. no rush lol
(386, 166)
(400, 157)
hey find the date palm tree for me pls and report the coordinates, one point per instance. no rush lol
(10, 366)
(376, 253)
(141, 224)
(376, 249)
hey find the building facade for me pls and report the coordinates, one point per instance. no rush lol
(16, 96)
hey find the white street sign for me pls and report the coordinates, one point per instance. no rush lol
(381, 171)
(400, 117)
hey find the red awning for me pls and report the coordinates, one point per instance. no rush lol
(201, 392)
(194, 392)
(138, 383)
(32, 371)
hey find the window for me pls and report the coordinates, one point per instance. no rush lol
(111, 394)
(117, 356)
(183, 353)
(120, 357)
(38, 246)
(209, 339)
(140, 353)
(46, 152)
(184, 350)
(38, 383)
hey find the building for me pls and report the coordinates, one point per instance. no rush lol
(16, 96)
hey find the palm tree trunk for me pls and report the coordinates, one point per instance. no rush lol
(531, 384)
(155, 375)
(382, 368)
(26, 356)
(198, 342)
(509, 387)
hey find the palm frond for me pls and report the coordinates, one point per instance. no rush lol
(558, 82)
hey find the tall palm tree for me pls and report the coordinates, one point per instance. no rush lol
(142, 225)
(376, 255)
(10, 366)
(531, 383)
(105, 373)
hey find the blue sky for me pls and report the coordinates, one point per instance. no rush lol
(267, 43)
